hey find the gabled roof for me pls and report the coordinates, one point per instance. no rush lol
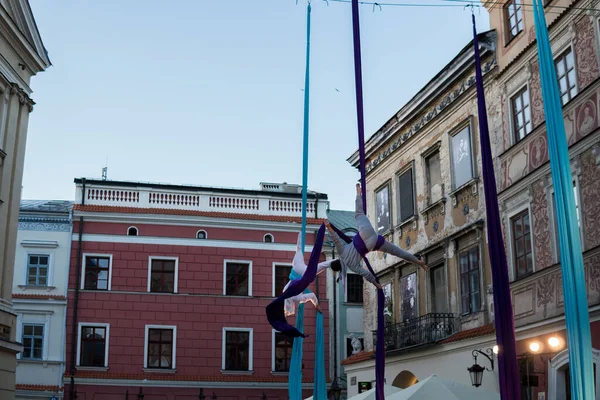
(343, 220)
(20, 19)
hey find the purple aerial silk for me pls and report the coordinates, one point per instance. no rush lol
(275, 310)
(503, 312)
(380, 350)
(360, 246)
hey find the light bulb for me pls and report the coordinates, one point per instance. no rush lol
(554, 342)
(534, 346)
(495, 349)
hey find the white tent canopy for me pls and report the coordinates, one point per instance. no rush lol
(436, 388)
(370, 394)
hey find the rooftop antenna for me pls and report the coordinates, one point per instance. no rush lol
(105, 171)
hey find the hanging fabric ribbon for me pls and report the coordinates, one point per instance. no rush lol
(571, 257)
(505, 330)
(380, 346)
(295, 373)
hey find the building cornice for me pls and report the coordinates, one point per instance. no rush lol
(403, 134)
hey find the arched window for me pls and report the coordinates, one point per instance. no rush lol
(132, 231)
(268, 238)
(201, 234)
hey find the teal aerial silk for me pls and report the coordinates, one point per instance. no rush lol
(295, 374)
(571, 258)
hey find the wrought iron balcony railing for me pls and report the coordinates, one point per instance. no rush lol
(428, 328)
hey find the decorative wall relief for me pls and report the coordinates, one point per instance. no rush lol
(585, 52)
(590, 200)
(541, 227)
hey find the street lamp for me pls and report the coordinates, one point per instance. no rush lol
(140, 395)
(201, 395)
(476, 370)
(336, 389)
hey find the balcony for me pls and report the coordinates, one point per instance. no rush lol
(271, 199)
(429, 328)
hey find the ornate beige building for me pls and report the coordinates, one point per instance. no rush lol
(22, 55)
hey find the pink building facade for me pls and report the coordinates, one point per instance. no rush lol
(168, 287)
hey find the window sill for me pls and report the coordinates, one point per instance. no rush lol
(471, 183)
(349, 304)
(227, 372)
(36, 287)
(410, 220)
(44, 363)
(99, 369)
(436, 203)
(509, 41)
(280, 373)
(159, 370)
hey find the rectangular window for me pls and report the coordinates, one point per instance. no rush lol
(93, 350)
(521, 113)
(408, 291)
(383, 210)
(237, 279)
(97, 270)
(462, 162)
(406, 195)
(469, 280)
(439, 299)
(514, 18)
(282, 277)
(160, 344)
(521, 238)
(162, 275)
(565, 72)
(237, 349)
(354, 288)
(33, 341)
(434, 177)
(282, 352)
(354, 348)
(37, 269)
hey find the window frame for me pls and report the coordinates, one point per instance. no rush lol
(426, 157)
(110, 266)
(266, 235)
(347, 286)
(401, 298)
(441, 264)
(513, 116)
(562, 54)
(274, 276)
(137, 231)
(521, 213)
(459, 252)
(507, 24)
(44, 326)
(202, 231)
(80, 326)
(468, 123)
(381, 188)
(250, 349)
(49, 281)
(175, 273)
(273, 350)
(225, 262)
(411, 168)
(173, 349)
(360, 336)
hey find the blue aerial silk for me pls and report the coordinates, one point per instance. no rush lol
(571, 258)
(295, 374)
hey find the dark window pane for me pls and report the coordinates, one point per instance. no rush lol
(282, 277)
(354, 285)
(237, 350)
(237, 279)
(283, 352)
(405, 188)
(93, 341)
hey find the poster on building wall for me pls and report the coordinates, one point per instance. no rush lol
(383, 210)
(408, 292)
(462, 164)
(388, 310)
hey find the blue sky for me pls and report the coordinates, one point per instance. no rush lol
(209, 92)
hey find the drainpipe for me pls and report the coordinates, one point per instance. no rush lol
(76, 302)
(335, 337)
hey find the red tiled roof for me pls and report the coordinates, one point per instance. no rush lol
(470, 333)
(194, 378)
(38, 388)
(212, 214)
(358, 357)
(38, 296)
